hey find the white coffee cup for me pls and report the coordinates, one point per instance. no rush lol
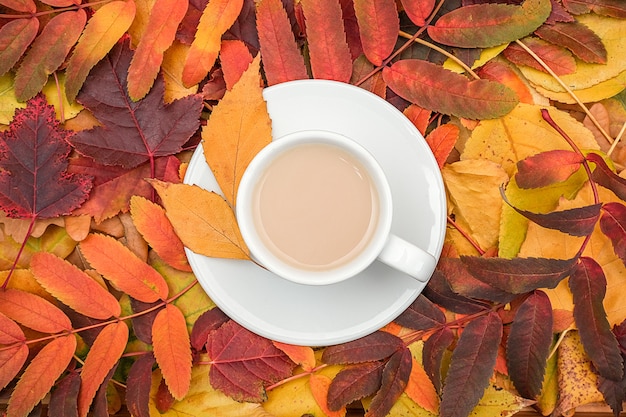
(290, 153)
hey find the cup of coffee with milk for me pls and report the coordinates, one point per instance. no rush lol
(315, 208)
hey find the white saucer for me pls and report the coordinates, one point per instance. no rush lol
(324, 315)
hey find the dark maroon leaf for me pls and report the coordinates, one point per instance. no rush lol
(439, 292)
(207, 322)
(588, 285)
(142, 323)
(528, 344)
(243, 362)
(432, 355)
(519, 275)
(353, 383)
(613, 8)
(100, 406)
(471, 365)
(547, 168)
(163, 400)
(245, 28)
(576, 37)
(132, 132)
(604, 176)
(80, 321)
(138, 386)
(376, 346)
(34, 182)
(613, 225)
(422, 314)
(620, 334)
(394, 380)
(614, 392)
(64, 398)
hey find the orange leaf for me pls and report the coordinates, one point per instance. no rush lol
(103, 355)
(319, 388)
(379, 25)
(154, 226)
(203, 220)
(282, 60)
(419, 116)
(501, 72)
(418, 10)
(235, 59)
(26, 6)
(41, 374)
(217, 17)
(328, 49)
(172, 349)
(61, 3)
(302, 355)
(33, 311)
(73, 287)
(442, 140)
(12, 359)
(104, 29)
(10, 332)
(237, 130)
(158, 36)
(123, 268)
(421, 389)
(15, 36)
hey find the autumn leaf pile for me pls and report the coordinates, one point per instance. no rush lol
(102, 104)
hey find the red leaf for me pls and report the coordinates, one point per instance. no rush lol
(207, 322)
(379, 25)
(442, 140)
(329, 52)
(432, 87)
(519, 275)
(588, 285)
(528, 344)
(15, 36)
(64, 398)
(613, 8)
(375, 346)
(438, 291)
(613, 225)
(138, 386)
(353, 383)
(12, 359)
(34, 182)
(504, 73)
(471, 365)
(235, 59)
(604, 176)
(547, 168)
(133, 132)
(559, 59)
(432, 354)
(418, 10)
(10, 332)
(243, 363)
(26, 6)
(576, 37)
(394, 380)
(419, 116)
(282, 60)
(33, 311)
(422, 314)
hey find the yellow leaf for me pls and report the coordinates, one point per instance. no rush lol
(550, 389)
(140, 22)
(172, 70)
(499, 402)
(486, 55)
(8, 101)
(203, 220)
(597, 92)
(238, 129)
(404, 406)
(54, 91)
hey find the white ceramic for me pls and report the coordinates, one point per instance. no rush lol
(324, 315)
(392, 250)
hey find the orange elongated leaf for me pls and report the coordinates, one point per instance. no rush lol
(282, 60)
(504, 73)
(103, 355)
(486, 25)
(159, 34)
(11, 361)
(578, 38)
(419, 116)
(104, 29)
(73, 287)
(123, 268)
(559, 59)
(547, 168)
(26, 6)
(235, 58)
(238, 129)
(325, 33)
(319, 385)
(33, 311)
(10, 332)
(154, 226)
(217, 17)
(378, 27)
(203, 220)
(41, 374)
(432, 87)
(172, 349)
(301, 355)
(48, 52)
(420, 389)
(442, 140)
(15, 36)
(418, 10)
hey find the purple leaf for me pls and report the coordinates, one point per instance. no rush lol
(422, 314)
(604, 176)
(64, 398)
(438, 291)
(376, 346)
(138, 386)
(432, 355)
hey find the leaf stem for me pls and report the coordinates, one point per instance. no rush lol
(295, 377)
(617, 139)
(33, 219)
(466, 236)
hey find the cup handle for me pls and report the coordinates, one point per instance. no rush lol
(408, 258)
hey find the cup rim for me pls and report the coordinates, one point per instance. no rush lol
(310, 277)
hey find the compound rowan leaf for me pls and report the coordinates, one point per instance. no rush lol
(471, 365)
(578, 38)
(41, 374)
(12, 358)
(282, 60)
(138, 386)
(528, 344)
(64, 398)
(48, 52)
(353, 383)
(172, 350)
(441, 141)
(133, 132)
(434, 88)
(10, 332)
(123, 268)
(34, 182)
(373, 347)
(559, 59)
(217, 17)
(394, 380)
(159, 35)
(588, 285)
(73, 287)
(613, 225)
(418, 10)
(15, 36)
(378, 27)
(26, 6)
(104, 29)
(242, 363)
(33, 311)
(103, 355)
(422, 314)
(329, 53)
(485, 25)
